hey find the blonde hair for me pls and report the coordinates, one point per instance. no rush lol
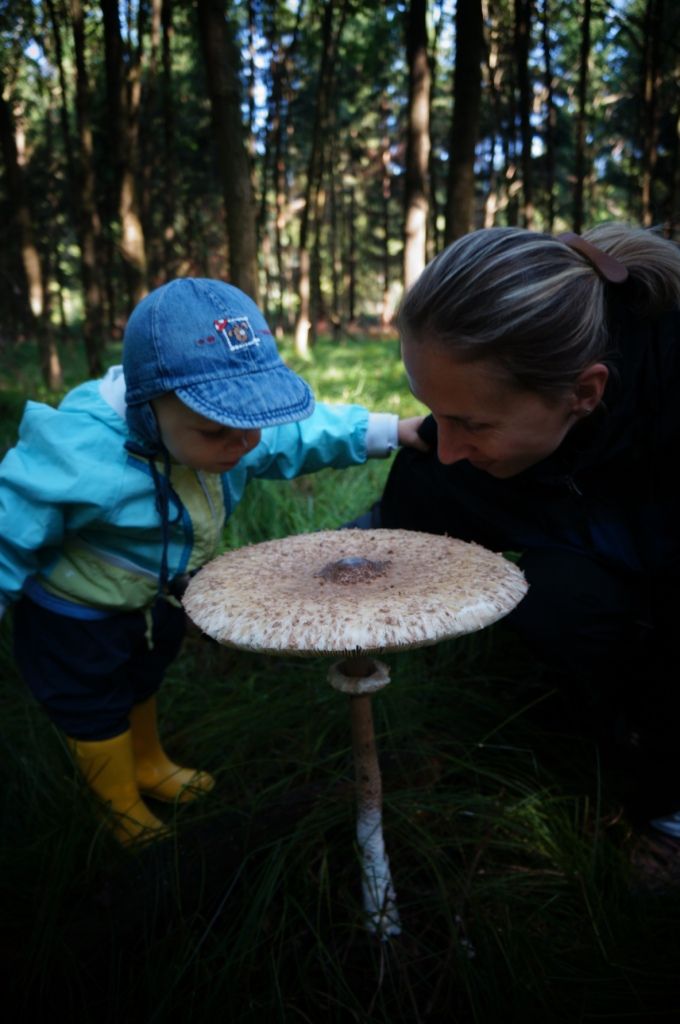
(532, 305)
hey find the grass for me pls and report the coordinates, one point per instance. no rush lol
(509, 850)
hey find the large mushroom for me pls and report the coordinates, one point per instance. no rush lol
(354, 593)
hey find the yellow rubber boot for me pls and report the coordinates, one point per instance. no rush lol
(156, 774)
(109, 769)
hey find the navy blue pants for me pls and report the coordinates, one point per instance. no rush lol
(88, 673)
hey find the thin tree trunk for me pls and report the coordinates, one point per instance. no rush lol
(132, 241)
(386, 312)
(124, 87)
(222, 62)
(281, 131)
(37, 314)
(352, 257)
(650, 86)
(673, 201)
(334, 241)
(330, 41)
(418, 143)
(280, 193)
(169, 158)
(492, 199)
(90, 225)
(435, 234)
(317, 302)
(550, 120)
(50, 362)
(467, 88)
(67, 150)
(500, 64)
(148, 150)
(581, 119)
(522, 47)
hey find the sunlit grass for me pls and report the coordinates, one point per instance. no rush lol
(507, 847)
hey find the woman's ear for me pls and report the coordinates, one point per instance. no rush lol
(589, 389)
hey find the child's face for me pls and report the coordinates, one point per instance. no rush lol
(481, 418)
(197, 442)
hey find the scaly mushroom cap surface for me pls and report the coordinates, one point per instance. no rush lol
(349, 591)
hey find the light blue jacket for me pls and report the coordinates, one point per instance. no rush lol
(79, 528)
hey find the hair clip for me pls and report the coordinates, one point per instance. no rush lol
(606, 266)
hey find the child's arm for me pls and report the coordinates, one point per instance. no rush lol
(47, 483)
(28, 524)
(334, 435)
(409, 436)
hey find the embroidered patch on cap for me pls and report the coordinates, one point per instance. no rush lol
(237, 332)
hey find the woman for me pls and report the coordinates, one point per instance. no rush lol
(551, 367)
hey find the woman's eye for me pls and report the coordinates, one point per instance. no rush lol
(470, 428)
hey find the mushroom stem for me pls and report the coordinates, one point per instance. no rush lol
(364, 677)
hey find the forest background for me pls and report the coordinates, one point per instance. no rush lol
(314, 152)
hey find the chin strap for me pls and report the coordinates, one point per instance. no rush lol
(164, 494)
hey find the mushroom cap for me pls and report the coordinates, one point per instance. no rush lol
(350, 591)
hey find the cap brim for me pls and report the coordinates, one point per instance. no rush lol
(267, 398)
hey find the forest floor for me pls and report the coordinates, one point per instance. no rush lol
(529, 885)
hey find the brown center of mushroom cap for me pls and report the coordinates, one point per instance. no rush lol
(352, 569)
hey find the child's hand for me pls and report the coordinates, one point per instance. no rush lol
(407, 434)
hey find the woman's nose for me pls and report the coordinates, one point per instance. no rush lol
(452, 445)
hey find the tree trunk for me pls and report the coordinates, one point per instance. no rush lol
(435, 232)
(67, 156)
(330, 42)
(37, 315)
(581, 119)
(222, 63)
(467, 89)
(280, 130)
(335, 243)
(673, 202)
(352, 257)
(280, 192)
(124, 95)
(492, 199)
(89, 222)
(386, 311)
(317, 301)
(550, 120)
(169, 158)
(417, 143)
(522, 47)
(650, 89)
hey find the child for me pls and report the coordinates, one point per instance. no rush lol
(110, 501)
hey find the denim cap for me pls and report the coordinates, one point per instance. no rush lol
(209, 343)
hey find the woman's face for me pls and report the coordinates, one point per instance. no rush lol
(200, 443)
(482, 418)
